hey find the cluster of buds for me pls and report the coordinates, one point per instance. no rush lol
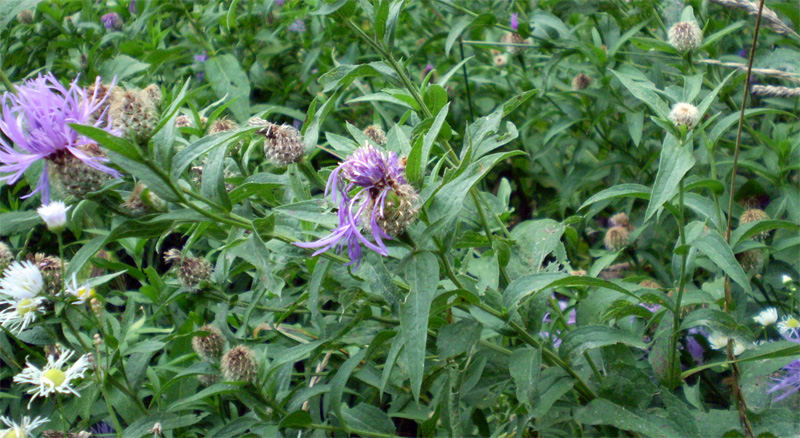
(134, 113)
(191, 271)
(385, 205)
(283, 144)
(685, 35)
(618, 236)
(240, 364)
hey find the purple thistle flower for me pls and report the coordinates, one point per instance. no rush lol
(112, 21)
(789, 382)
(377, 173)
(515, 21)
(103, 429)
(35, 120)
(280, 2)
(298, 26)
(132, 7)
(428, 68)
(202, 57)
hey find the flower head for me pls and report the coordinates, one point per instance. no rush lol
(381, 177)
(581, 82)
(20, 313)
(22, 430)
(718, 341)
(767, 316)
(684, 114)
(82, 293)
(53, 378)
(132, 7)
(298, 26)
(54, 215)
(514, 22)
(201, 57)
(112, 21)
(21, 280)
(789, 328)
(788, 382)
(685, 35)
(616, 238)
(36, 120)
(208, 347)
(283, 144)
(6, 257)
(240, 364)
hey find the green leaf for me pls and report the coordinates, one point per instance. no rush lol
(18, 221)
(530, 285)
(333, 403)
(122, 67)
(603, 412)
(589, 337)
(619, 191)
(368, 418)
(675, 161)
(749, 230)
(645, 91)
(635, 126)
(455, 31)
(524, 365)
(344, 75)
(296, 420)
(717, 321)
(553, 383)
(183, 159)
(422, 276)
(144, 425)
(228, 79)
(109, 141)
(533, 241)
(435, 98)
(10, 8)
(718, 251)
(154, 181)
(458, 338)
(418, 159)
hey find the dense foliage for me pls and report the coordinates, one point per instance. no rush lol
(245, 218)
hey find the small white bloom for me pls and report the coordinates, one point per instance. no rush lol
(83, 292)
(22, 430)
(53, 378)
(767, 316)
(788, 322)
(738, 347)
(20, 313)
(685, 35)
(21, 280)
(786, 279)
(684, 114)
(54, 215)
(717, 341)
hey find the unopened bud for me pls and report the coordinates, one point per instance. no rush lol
(283, 144)
(376, 134)
(222, 125)
(621, 220)
(650, 284)
(581, 82)
(75, 176)
(685, 35)
(755, 215)
(51, 268)
(97, 306)
(513, 38)
(208, 347)
(134, 113)
(6, 257)
(240, 364)
(183, 121)
(616, 238)
(751, 260)
(400, 209)
(25, 16)
(191, 271)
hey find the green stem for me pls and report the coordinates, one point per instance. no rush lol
(9, 86)
(676, 314)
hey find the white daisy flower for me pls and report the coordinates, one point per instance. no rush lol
(717, 341)
(82, 293)
(54, 215)
(53, 378)
(21, 280)
(767, 316)
(20, 313)
(786, 279)
(738, 347)
(788, 322)
(22, 430)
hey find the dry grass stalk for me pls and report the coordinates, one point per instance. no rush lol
(769, 16)
(762, 71)
(775, 91)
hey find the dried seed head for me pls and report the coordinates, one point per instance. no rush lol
(25, 16)
(751, 260)
(684, 114)
(616, 238)
(207, 379)
(650, 284)
(621, 220)
(6, 257)
(74, 175)
(685, 35)
(513, 38)
(222, 125)
(400, 209)
(755, 215)
(581, 82)
(376, 134)
(50, 267)
(240, 364)
(183, 121)
(283, 144)
(191, 271)
(209, 347)
(500, 60)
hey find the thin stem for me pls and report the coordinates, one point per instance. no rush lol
(7, 83)
(676, 314)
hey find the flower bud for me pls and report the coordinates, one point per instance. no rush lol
(97, 307)
(685, 35)
(25, 16)
(240, 364)
(684, 114)
(399, 211)
(499, 59)
(222, 125)
(135, 203)
(581, 82)
(6, 257)
(51, 268)
(54, 216)
(751, 260)
(74, 176)
(183, 121)
(208, 347)
(513, 38)
(112, 21)
(191, 271)
(283, 144)
(207, 379)
(621, 220)
(134, 113)
(616, 238)
(376, 134)
(755, 215)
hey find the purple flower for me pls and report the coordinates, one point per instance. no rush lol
(202, 57)
(280, 2)
(201, 76)
(35, 120)
(103, 429)
(298, 26)
(377, 173)
(515, 21)
(132, 7)
(428, 68)
(112, 21)
(789, 382)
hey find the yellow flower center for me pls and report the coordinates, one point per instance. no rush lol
(85, 293)
(53, 378)
(792, 323)
(14, 433)
(24, 306)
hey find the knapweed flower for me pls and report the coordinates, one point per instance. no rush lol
(208, 347)
(35, 120)
(20, 313)
(191, 271)
(53, 378)
(54, 216)
(385, 203)
(755, 215)
(112, 21)
(239, 364)
(514, 22)
(788, 382)
(718, 341)
(581, 82)
(22, 430)
(789, 328)
(283, 144)
(103, 429)
(616, 238)
(82, 293)
(21, 280)
(767, 316)
(685, 35)
(201, 57)
(684, 114)
(298, 26)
